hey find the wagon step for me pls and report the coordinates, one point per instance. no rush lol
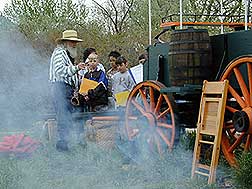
(203, 166)
(206, 142)
(201, 173)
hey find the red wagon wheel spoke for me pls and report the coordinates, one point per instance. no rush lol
(168, 126)
(155, 116)
(250, 81)
(159, 145)
(228, 126)
(162, 135)
(159, 102)
(242, 84)
(138, 106)
(162, 114)
(144, 99)
(237, 96)
(231, 109)
(236, 143)
(248, 143)
(237, 127)
(152, 101)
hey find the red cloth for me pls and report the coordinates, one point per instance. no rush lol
(19, 143)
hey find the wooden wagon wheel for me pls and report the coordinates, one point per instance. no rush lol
(150, 114)
(237, 127)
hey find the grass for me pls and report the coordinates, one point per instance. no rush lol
(95, 167)
(9, 177)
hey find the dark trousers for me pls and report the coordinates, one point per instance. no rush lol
(62, 94)
(126, 147)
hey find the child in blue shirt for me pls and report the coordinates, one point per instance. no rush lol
(97, 98)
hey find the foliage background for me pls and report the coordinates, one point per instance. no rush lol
(110, 24)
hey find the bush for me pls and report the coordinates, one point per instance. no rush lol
(243, 173)
(187, 140)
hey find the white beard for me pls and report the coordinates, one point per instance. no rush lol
(72, 51)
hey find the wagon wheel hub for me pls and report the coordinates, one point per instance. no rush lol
(240, 121)
(151, 118)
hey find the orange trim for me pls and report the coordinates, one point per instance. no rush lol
(106, 118)
(230, 24)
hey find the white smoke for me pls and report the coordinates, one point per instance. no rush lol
(23, 75)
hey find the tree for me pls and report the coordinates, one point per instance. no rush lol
(114, 13)
(41, 21)
(233, 11)
(113, 24)
(126, 23)
(114, 17)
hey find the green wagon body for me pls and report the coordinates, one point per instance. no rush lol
(224, 48)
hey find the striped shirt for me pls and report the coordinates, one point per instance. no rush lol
(62, 69)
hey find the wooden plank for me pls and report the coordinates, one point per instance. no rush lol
(206, 142)
(213, 87)
(203, 166)
(208, 132)
(210, 119)
(201, 173)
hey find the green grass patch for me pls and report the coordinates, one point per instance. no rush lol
(95, 167)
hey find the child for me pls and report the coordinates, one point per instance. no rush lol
(97, 98)
(122, 81)
(86, 53)
(113, 55)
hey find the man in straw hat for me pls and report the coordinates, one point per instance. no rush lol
(64, 79)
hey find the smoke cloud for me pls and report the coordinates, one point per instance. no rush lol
(24, 91)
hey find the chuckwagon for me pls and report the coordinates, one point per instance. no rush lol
(168, 98)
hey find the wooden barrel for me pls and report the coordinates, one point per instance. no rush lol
(189, 57)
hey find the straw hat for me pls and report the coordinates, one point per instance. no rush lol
(69, 35)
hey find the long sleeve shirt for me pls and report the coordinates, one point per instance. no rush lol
(62, 69)
(122, 82)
